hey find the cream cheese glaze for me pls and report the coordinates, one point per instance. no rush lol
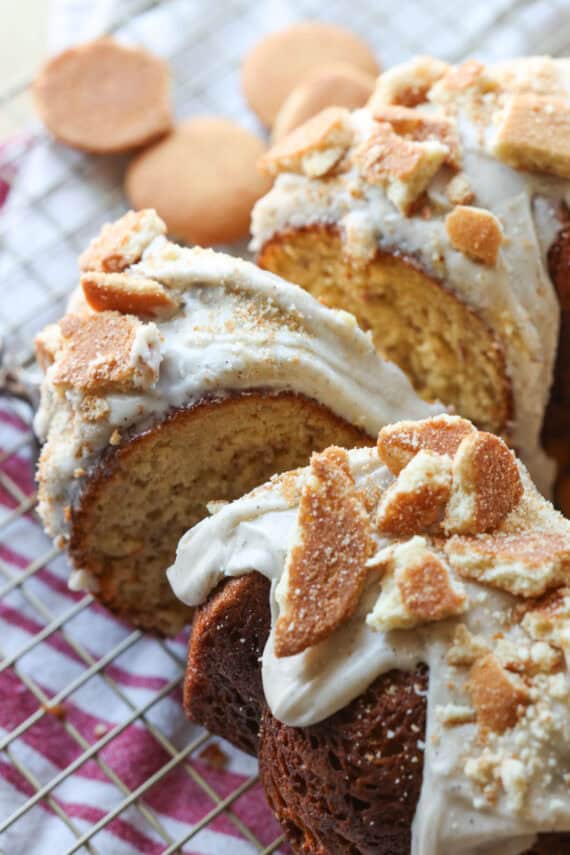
(515, 298)
(455, 816)
(237, 328)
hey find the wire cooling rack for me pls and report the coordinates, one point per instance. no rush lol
(54, 733)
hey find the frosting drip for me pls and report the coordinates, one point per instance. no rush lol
(490, 795)
(515, 297)
(237, 328)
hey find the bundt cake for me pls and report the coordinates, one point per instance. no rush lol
(435, 215)
(180, 377)
(410, 605)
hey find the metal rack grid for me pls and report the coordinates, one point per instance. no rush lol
(45, 618)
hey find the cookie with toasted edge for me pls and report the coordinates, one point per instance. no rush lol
(476, 233)
(403, 167)
(314, 148)
(417, 499)
(122, 242)
(104, 97)
(499, 697)
(99, 353)
(282, 60)
(202, 179)
(398, 443)
(326, 569)
(418, 587)
(336, 85)
(486, 485)
(134, 295)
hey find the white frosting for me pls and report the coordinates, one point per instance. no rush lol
(238, 328)
(515, 298)
(256, 532)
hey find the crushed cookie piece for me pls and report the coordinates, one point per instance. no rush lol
(497, 695)
(115, 438)
(398, 443)
(421, 127)
(326, 569)
(476, 233)
(214, 756)
(106, 352)
(314, 148)
(402, 167)
(534, 134)
(123, 242)
(548, 620)
(135, 295)
(418, 587)
(527, 564)
(407, 84)
(418, 497)
(94, 409)
(465, 647)
(459, 190)
(454, 715)
(47, 344)
(486, 485)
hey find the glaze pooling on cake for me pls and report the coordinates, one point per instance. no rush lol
(376, 203)
(496, 766)
(235, 328)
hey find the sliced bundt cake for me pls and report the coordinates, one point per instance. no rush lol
(435, 215)
(411, 604)
(181, 377)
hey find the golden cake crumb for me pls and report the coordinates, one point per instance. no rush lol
(476, 233)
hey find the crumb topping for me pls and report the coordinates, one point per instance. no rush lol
(100, 354)
(128, 294)
(534, 134)
(122, 242)
(326, 571)
(313, 149)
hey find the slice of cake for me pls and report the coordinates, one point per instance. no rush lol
(181, 377)
(437, 216)
(410, 607)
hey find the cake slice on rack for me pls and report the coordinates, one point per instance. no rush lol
(389, 628)
(182, 377)
(435, 215)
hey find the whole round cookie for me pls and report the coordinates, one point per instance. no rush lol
(202, 179)
(336, 85)
(278, 63)
(104, 97)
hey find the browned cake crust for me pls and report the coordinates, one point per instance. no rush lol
(558, 415)
(346, 786)
(222, 689)
(145, 492)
